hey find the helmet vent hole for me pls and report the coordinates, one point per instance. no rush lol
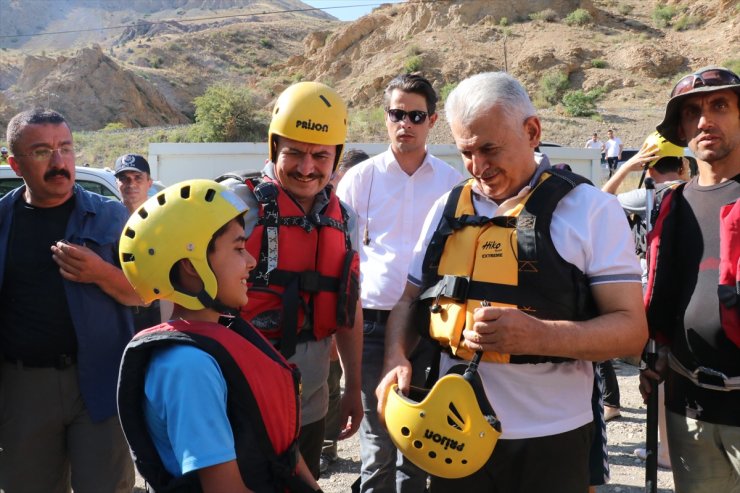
(156, 291)
(128, 257)
(418, 444)
(150, 251)
(464, 461)
(160, 199)
(433, 454)
(210, 195)
(185, 192)
(448, 461)
(130, 233)
(143, 213)
(405, 431)
(455, 421)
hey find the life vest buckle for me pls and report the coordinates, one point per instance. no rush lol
(455, 287)
(310, 281)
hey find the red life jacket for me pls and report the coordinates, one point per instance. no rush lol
(262, 403)
(658, 299)
(307, 274)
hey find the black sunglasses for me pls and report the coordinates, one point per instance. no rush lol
(415, 117)
(711, 77)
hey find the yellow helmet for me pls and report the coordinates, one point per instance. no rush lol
(446, 434)
(665, 148)
(309, 112)
(177, 223)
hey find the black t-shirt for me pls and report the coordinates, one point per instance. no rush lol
(702, 340)
(35, 323)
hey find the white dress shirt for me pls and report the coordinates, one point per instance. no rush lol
(391, 206)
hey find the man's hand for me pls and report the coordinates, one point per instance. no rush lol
(398, 371)
(647, 376)
(78, 263)
(503, 330)
(350, 413)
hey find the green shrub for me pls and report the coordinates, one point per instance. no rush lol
(625, 8)
(579, 17)
(686, 22)
(413, 50)
(732, 64)
(504, 21)
(366, 124)
(552, 86)
(598, 63)
(547, 15)
(156, 61)
(227, 113)
(114, 126)
(446, 90)
(413, 64)
(579, 103)
(266, 43)
(663, 15)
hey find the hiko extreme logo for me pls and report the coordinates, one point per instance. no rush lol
(492, 249)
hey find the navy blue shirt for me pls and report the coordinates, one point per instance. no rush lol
(103, 326)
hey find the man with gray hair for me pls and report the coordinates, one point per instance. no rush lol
(534, 269)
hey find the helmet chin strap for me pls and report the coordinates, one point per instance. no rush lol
(209, 302)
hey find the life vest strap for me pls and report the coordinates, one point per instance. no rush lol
(453, 287)
(704, 377)
(461, 288)
(309, 281)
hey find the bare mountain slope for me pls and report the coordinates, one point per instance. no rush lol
(452, 40)
(624, 51)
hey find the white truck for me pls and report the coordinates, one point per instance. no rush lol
(171, 163)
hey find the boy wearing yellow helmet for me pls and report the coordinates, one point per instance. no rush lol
(186, 245)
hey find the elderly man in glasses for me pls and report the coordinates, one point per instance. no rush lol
(553, 257)
(695, 316)
(63, 323)
(392, 193)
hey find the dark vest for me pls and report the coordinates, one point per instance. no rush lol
(263, 397)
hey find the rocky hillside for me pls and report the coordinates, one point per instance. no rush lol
(149, 72)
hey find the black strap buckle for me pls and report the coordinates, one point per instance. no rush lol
(454, 287)
(708, 376)
(310, 281)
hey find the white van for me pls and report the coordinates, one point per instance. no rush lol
(95, 180)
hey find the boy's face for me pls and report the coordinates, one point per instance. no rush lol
(231, 263)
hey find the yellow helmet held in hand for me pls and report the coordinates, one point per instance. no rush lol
(450, 433)
(665, 148)
(177, 223)
(309, 112)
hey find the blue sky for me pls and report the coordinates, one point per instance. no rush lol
(351, 9)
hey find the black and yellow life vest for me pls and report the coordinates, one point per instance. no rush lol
(509, 261)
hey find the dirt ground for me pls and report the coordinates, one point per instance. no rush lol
(625, 434)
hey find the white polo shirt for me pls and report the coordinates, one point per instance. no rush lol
(589, 229)
(392, 206)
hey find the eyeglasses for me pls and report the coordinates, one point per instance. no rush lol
(415, 117)
(44, 155)
(712, 77)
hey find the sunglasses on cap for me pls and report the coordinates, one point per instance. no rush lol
(416, 117)
(710, 77)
